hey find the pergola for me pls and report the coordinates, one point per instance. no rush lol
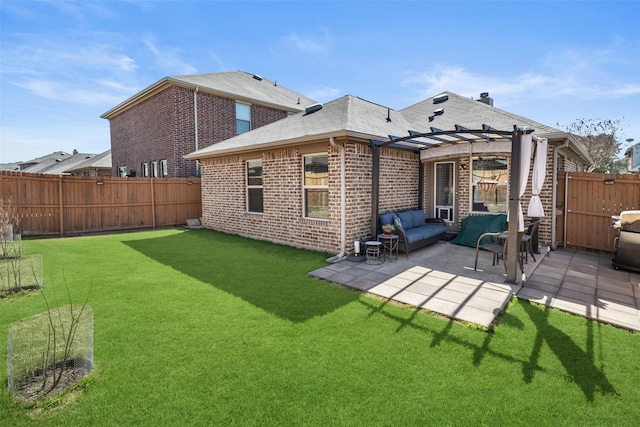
(419, 141)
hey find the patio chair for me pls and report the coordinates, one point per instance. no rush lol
(498, 247)
(526, 240)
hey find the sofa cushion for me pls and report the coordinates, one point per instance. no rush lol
(407, 219)
(413, 235)
(386, 218)
(430, 230)
(417, 215)
(397, 222)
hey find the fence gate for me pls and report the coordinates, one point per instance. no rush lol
(591, 200)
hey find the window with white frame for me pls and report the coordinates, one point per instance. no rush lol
(489, 184)
(144, 169)
(164, 170)
(154, 169)
(243, 118)
(122, 171)
(255, 202)
(316, 186)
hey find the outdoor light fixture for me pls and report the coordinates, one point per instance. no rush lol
(609, 181)
(189, 182)
(99, 182)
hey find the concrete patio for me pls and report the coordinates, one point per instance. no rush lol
(441, 278)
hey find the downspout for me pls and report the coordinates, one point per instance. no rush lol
(195, 125)
(343, 200)
(554, 199)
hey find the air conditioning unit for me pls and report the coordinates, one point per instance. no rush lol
(445, 214)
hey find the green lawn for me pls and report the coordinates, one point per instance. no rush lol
(202, 328)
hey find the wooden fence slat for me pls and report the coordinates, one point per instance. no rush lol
(64, 205)
(592, 200)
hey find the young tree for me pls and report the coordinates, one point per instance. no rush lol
(600, 138)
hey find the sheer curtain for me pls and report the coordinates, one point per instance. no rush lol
(525, 162)
(537, 178)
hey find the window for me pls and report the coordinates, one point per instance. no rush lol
(164, 171)
(444, 191)
(254, 186)
(316, 186)
(489, 184)
(154, 169)
(122, 171)
(243, 118)
(144, 169)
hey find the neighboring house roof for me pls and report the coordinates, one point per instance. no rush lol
(99, 161)
(58, 166)
(356, 117)
(9, 166)
(48, 158)
(233, 84)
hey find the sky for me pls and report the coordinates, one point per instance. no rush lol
(64, 63)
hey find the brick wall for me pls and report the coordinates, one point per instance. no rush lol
(546, 195)
(162, 127)
(224, 198)
(224, 194)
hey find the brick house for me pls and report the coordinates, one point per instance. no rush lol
(317, 179)
(153, 130)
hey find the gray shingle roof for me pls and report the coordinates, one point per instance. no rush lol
(99, 161)
(348, 115)
(472, 114)
(232, 84)
(356, 117)
(247, 86)
(58, 166)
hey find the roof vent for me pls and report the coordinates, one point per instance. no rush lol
(312, 109)
(438, 112)
(441, 98)
(485, 98)
(257, 77)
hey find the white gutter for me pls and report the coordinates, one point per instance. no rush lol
(554, 198)
(343, 199)
(195, 125)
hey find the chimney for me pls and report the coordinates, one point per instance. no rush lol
(486, 99)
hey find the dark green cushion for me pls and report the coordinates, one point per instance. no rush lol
(472, 227)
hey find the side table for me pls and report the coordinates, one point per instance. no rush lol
(389, 244)
(374, 252)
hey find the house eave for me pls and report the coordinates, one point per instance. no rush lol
(273, 145)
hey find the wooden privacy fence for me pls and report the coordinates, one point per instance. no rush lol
(63, 205)
(592, 199)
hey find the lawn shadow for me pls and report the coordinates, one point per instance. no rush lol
(578, 363)
(269, 276)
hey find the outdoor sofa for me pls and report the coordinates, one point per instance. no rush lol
(413, 229)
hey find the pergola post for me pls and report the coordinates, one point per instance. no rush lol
(513, 245)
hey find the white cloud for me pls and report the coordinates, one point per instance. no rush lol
(307, 44)
(98, 93)
(168, 58)
(528, 84)
(324, 93)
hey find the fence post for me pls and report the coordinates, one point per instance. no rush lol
(153, 206)
(61, 207)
